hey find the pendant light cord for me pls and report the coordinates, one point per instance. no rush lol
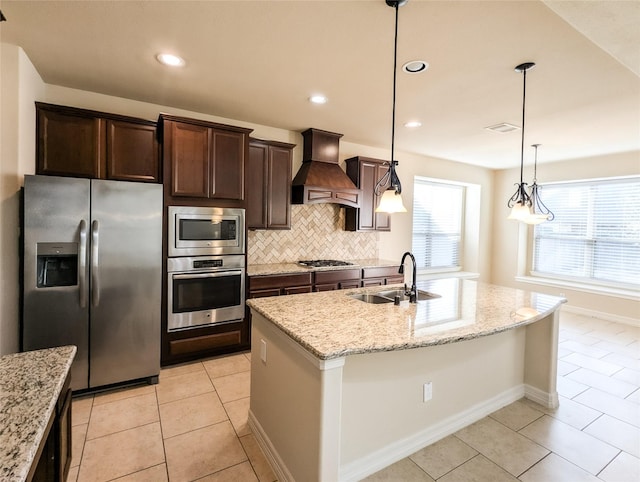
(524, 93)
(393, 108)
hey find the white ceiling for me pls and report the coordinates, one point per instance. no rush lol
(259, 61)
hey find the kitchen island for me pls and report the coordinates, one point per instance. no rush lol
(31, 386)
(341, 388)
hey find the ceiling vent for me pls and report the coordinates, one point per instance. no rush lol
(503, 128)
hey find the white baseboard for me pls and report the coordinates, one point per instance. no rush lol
(381, 458)
(601, 315)
(546, 399)
(277, 464)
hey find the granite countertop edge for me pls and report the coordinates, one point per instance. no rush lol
(30, 385)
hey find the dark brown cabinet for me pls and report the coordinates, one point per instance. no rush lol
(365, 173)
(337, 279)
(55, 458)
(277, 285)
(84, 143)
(382, 275)
(268, 185)
(204, 159)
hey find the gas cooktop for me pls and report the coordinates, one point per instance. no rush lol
(321, 263)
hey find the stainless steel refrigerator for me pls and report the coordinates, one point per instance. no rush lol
(92, 275)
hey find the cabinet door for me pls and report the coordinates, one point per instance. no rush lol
(279, 188)
(368, 179)
(256, 177)
(69, 145)
(190, 155)
(227, 170)
(132, 152)
(382, 221)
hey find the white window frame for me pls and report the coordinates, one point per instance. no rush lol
(461, 244)
(612, 288)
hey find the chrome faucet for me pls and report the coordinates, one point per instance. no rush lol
(412, 293)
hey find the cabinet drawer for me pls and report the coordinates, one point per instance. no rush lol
(264, 293)
(279, 281)
(336, 276)
(296, 290)
(380, 272)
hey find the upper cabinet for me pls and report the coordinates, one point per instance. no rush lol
(268, 185)
(84, 143)
(204, 159)
(365, 173)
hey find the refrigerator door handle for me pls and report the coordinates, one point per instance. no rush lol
(95, 276)
(82, 259)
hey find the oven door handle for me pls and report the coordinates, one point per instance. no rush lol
(217, 274)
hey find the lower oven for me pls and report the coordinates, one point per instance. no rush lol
(205, 290)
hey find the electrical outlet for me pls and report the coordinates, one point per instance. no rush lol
(427, 392)
(263, 351)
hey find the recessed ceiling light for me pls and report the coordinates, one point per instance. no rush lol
(502, 128)
(170, 60)
(415, 66)
(413, 124)
(318, 99)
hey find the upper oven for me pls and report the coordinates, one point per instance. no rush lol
(198, 231)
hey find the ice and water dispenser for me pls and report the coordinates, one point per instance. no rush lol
(57, 264)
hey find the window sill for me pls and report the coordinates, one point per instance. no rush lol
(598, 290)
(448, 274)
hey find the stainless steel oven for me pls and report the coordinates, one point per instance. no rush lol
(203, 231)
(205, 290)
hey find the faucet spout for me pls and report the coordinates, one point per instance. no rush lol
(412, 293)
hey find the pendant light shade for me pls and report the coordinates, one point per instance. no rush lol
(389, 184)
(520, 202)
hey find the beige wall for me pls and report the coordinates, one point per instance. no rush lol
(20, 85)
(506, 233)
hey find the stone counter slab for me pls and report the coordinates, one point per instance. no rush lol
(333, 324)
(30, 384)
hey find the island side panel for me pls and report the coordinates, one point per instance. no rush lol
(541, 360)
(295, 406)
(384, 417)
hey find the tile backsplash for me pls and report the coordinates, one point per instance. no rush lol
(317, 232)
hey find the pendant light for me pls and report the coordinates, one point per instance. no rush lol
(520, 202)
(539, 212)
(391, 201)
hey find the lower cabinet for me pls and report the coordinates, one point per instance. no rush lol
(276, 285)
(337, 279)
(379, 276)
(55, 460)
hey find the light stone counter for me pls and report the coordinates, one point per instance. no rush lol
(332, 324)
(30, 384)
(288, 268)
(341, 388)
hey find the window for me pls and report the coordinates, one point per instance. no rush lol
(437, 224)
(595, 236)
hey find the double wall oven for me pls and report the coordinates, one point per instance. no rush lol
(206, 266)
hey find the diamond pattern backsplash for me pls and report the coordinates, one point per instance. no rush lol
(317, 232)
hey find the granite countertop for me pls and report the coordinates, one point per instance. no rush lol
(289, 268)
(30, 384)
(332, 324)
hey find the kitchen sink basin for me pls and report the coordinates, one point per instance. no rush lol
(388, 296)
(420, 295)
(369, 298)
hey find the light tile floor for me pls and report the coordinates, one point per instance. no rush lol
(193, 425)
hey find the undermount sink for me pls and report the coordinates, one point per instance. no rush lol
(369, 298)
(420, 295)
(388, 296)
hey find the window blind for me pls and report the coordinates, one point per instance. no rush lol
(595, 236)
(437, 224)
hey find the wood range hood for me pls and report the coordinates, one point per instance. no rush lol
(320, 178)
